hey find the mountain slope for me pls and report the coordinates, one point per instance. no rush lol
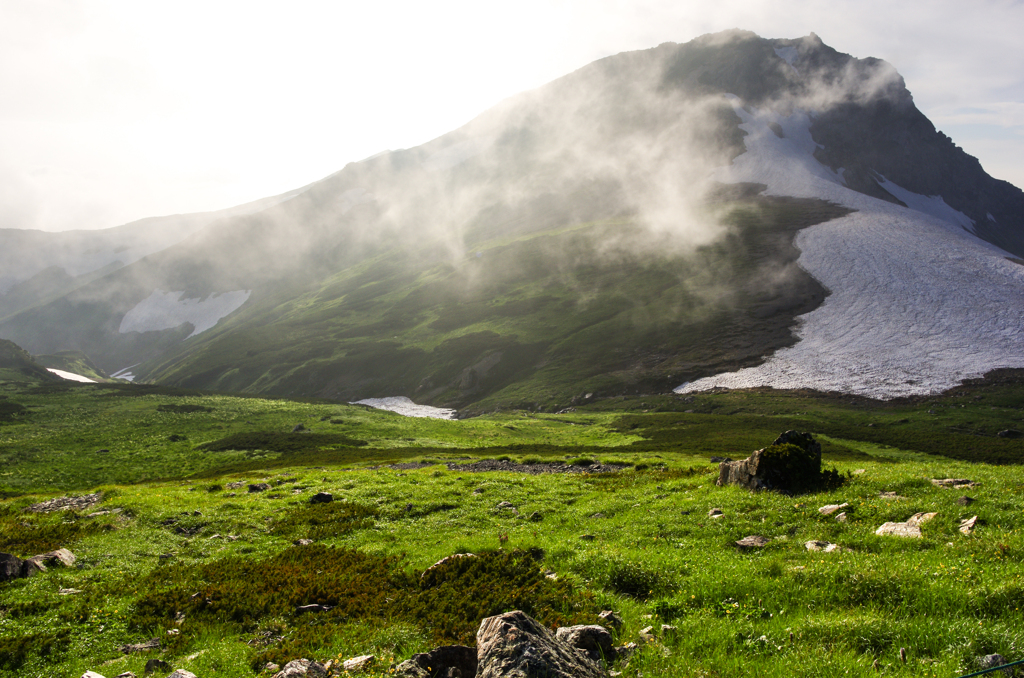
(583, 237)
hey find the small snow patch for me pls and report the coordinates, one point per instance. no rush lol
(788, 54)
(405, 407)
(929, 204)
(71, 376)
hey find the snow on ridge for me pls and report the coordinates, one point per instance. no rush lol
(788, 54)
(406, 407)
(71, 376)
(167, 310)
(917, 303)
(929, 204)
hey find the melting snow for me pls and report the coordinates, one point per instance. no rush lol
(788, 54)
(167, 310)
(125, 373)
(917, 304)
(933, 204)
(71, 376)
(406, 407)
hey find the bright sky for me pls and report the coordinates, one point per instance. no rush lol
(115, 110)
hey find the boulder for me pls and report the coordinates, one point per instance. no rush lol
(360, 663)
(11, 567)
(302, 667)
(321, 498)
(967, 524)
(591, 638)
(59, 557)
(182, 673)
(259, 487)
(754, 541)
(157, 665)
(910, 528)
(513, 644)
(791, 463)
(449, 661)
(832, 508)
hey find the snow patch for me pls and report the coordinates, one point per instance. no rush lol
(125, 373)
(406, 407)
(788, 54)
(929, 204)
(71, 376)
(990, 217)
(918, 304)
(167, 310)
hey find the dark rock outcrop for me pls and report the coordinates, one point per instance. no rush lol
(449, 661)
(591, 638)
(790, 464)
(513, 644)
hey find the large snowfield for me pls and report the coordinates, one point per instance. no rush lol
(167, 310)
(917, 302)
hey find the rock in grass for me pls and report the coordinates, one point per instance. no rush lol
(360, 663)
(126, 674)
(92, 674)
(448, 660)
(446, 560)
(832, 508)
(154, 665)
(59, 557)
(302, 667)
(298, 428)
(965, 500)
(1010, 433)
(182, 673)
(611, 619)
(312, 608)
(321, 498)
(823, 546)
(151, 644)
(591, 638)
(79, 503)
(790, 464)
(514, 644)
(911, 528)
(259, 487)
(967, 524)
(715, 513)
(11, 567)
(754, 541)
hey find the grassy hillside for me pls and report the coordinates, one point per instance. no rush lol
(174, 546)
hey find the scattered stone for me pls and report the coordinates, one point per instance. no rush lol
(151, 644)
(991, 661)
(154, 665)
(92, 674)
(449, 661)
(823, 546)
(832, 508)
(60, 556)
(447, 559)
(763, 470)
(965, 500)
(910, 528)
(1010, 433)
(312, 608)
(715, 513)
(478, 490)
(321, 498)
(841, 518)
(302, 542)
(611, 619)
(79, 503)
(302, 667)
(754, 541)
(591, 638)
(513, 644)
(236, 486)
(859, 471)
(360, 663)
(889, 495)
(646, 634)
(967, 524)
(259, 487)
(271, 667)
(920, 519)
(955, 483)
(507, 505)
(126, 674)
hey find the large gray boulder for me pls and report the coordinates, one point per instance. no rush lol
(513, 644)
(449, 661)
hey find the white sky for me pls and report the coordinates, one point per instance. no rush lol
(114, 110)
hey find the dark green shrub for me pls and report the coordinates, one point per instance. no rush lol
(183, 409)
(280, 442)
(323, 521)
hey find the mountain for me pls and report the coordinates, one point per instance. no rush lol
(40, 266)
(739, 209)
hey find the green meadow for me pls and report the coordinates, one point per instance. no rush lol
(183, 552)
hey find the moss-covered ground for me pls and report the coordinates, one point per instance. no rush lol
(189, 551)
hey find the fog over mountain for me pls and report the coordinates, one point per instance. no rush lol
(626, 228)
